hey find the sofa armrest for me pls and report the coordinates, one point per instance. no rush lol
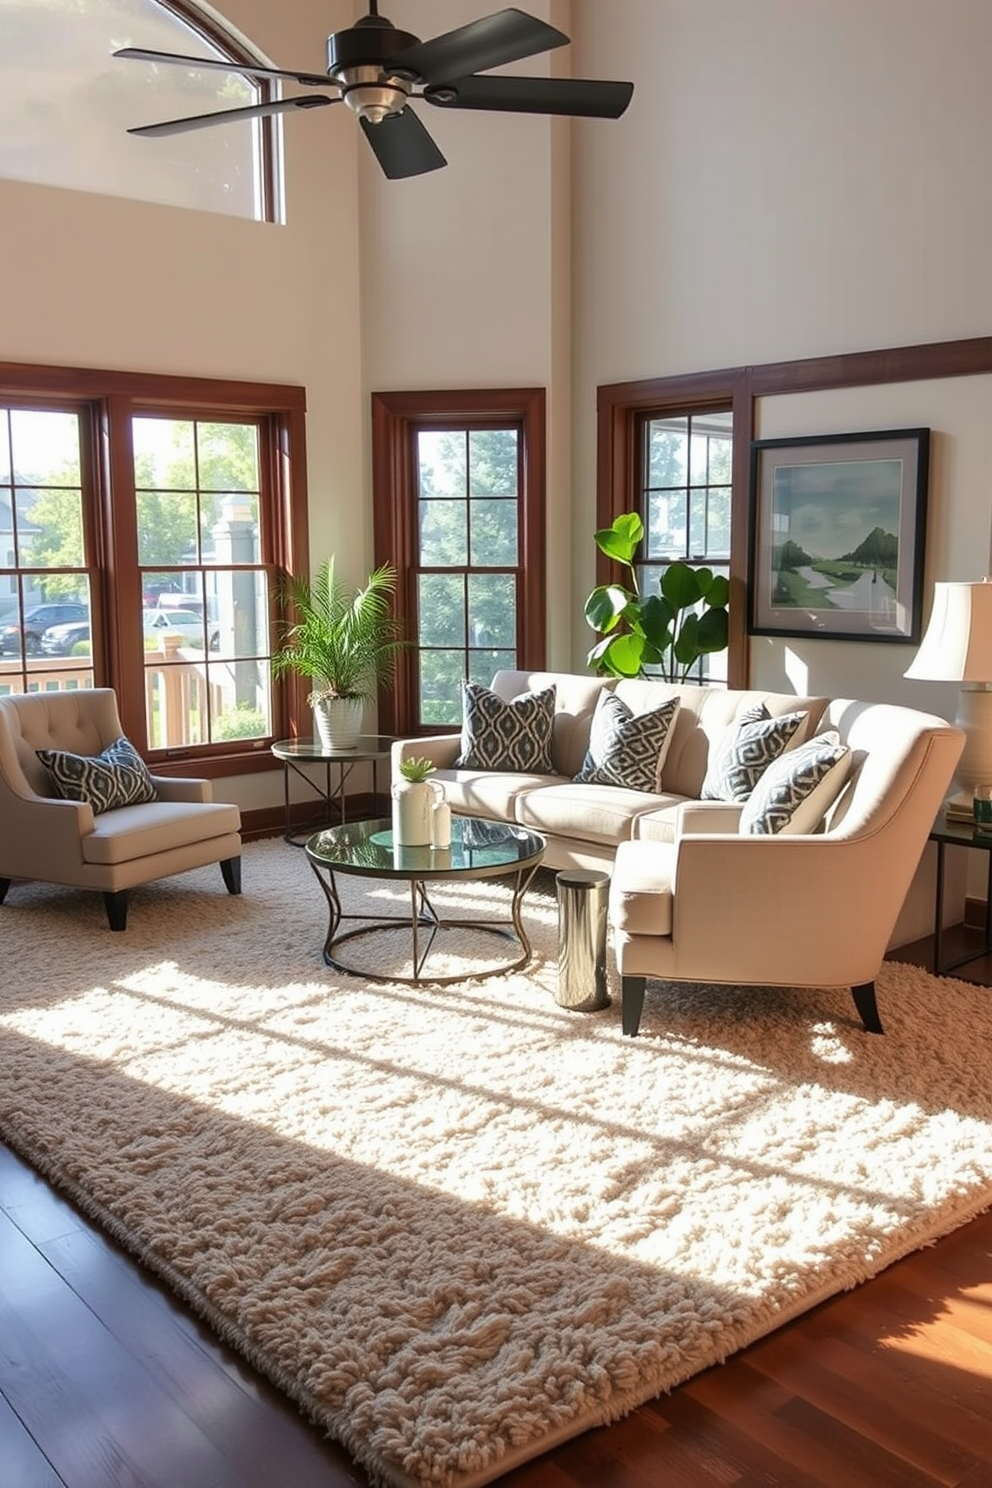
(182, 788)
(39, 831)
(442, 749)
(703, 818)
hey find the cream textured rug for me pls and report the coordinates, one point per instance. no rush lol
(460, 1225)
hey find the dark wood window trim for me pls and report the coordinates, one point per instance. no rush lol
(107, 401)
(619, 406)
(395, 419)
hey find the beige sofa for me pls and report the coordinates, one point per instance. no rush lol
(585, 824)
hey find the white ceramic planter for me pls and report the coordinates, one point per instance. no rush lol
(413, 803)
(338, 722)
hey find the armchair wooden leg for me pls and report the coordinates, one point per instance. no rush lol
(116, 909)
(231, 869)
(4, 886)
(631, 1003)
(864, 1001)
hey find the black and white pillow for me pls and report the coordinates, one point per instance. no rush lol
(798, 789)
(746, 750)
(513, 736)
(116, 777)
(627, 748)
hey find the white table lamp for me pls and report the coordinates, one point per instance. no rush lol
(958, 648)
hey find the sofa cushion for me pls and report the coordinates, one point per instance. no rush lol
(116, 777)
(509, 736)
(627, 748)
(588, 813)
(141, 831)
(745, 751)
(798, 789)
(488, 792)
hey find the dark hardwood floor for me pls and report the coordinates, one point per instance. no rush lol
(107, 1382)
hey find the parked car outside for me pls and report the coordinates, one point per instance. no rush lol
(27, 636)
(185, 623)
(60, 640)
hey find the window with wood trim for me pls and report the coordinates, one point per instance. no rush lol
(144, 523)
(459, 505)
(676, 450)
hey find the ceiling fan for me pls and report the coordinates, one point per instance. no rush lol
(378, 71)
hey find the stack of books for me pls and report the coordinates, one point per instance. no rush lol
(960, 808)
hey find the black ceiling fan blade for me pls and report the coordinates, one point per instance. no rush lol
(307, 79)
(402, 146)
(225, 116)
(579, 97)
(507, 36)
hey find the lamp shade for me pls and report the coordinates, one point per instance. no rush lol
(958, 644)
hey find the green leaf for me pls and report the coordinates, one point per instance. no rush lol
(719, 591)
(606, 605)
(712, 632)
(656, 622)
(682, 586)
(625, 655)
(621, 539)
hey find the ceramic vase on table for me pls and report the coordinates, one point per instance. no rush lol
(338, 722)
(413, 803)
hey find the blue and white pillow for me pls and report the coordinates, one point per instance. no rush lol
(627, 748)
(117, 777)
(512, 736)
(798, 789)
(746, 750)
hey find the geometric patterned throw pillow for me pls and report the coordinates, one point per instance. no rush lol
(798, 789)
(117, 777)
(626, 748)
(745, 751)
(514, 736)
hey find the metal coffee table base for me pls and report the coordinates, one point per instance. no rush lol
(424, 924)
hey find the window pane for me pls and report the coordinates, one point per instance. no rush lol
(441, 461)
(166, 527)
(237, 612)
(240, 700)
(77, 137)
(718, 529)
(666, 525)
(163, 453)
(483, 665)
(667, 452)
(49, 528)
(227, 457)
(494, 533)
(493, 462)
(441, 674)
(229, 529)
(45, 447)
(492, 610)
(441, 608)
(443, 534)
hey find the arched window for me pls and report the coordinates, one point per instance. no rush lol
(66, 104)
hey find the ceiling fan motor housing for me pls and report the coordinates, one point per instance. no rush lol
(358, 59)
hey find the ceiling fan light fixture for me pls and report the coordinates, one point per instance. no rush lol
(371, 94)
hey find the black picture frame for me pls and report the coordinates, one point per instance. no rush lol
(855, 507)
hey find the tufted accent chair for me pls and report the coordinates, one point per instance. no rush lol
(43, 837)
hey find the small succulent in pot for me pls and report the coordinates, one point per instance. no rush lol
(418, 769)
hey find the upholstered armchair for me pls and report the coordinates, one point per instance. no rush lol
(814, 907)
(43, 836)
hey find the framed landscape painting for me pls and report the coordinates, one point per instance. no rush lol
(838, 525)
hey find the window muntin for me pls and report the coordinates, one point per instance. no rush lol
(60, 52)
(685, 499)
(467, 567)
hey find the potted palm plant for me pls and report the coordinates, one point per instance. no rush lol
(344, 641)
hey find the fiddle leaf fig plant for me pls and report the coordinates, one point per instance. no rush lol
(666, 632)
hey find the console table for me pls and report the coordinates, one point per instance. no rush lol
(959, 834)
(297, 755)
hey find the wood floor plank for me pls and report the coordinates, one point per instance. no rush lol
(22, 1462)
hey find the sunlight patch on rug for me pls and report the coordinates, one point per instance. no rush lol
(459, 1224)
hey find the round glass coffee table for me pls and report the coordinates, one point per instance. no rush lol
(479, 849)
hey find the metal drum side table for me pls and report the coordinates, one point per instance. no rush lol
(582, 903)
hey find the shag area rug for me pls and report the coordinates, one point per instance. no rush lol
(459, 1225)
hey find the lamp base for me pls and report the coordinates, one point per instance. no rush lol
(975, 717)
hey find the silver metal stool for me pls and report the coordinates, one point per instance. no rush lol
(582, 901)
